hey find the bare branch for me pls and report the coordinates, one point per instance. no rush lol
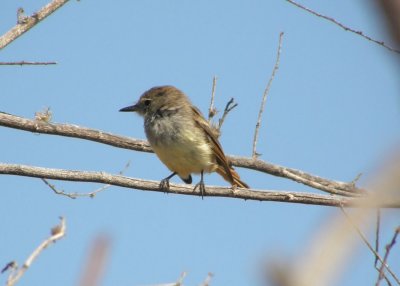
(266, 91)
(211, 191)
(344, 27)
(25, 63)
(69, 130)
(30, 21)
(57, 233)
(365, 240)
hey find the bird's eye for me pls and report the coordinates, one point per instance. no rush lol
(147, 102)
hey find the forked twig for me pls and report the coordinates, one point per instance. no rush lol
(76, 194)
(266, 91)
(387, 251)
(228, 107)
(344, 27)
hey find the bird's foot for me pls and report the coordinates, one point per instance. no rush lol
(164, 184)
(201, 187)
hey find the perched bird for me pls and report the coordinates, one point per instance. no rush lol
(181, 137)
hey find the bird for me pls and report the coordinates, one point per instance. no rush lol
(181, 137)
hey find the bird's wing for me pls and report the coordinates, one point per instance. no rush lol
(215, 145)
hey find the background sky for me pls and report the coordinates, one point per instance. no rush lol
(333, 110)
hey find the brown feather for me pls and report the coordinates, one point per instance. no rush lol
(223, 169)
(236, 179)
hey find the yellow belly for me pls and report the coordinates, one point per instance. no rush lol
(186, 157)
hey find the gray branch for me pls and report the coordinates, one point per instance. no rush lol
(211, 191)
(69, 130)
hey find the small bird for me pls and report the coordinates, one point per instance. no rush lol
(181, 137)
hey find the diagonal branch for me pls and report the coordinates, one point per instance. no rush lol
(29, 22)
(211, 191)
(69, 130)
(344, 27)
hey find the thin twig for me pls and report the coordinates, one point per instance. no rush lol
(387, 251)
(266, 91)
(377, 233)
(212, 110)
(183, 189)
(29, 22)
(76, 194)
(344, 27)
(25, 63)
(57, 233)
(70, 130)
(365, 240)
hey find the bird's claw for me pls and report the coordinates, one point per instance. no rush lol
(164, 185)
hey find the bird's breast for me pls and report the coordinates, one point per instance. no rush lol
(181, 145)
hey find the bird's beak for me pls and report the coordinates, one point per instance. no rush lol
(132, 108)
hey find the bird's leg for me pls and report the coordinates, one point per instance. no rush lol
(164, 184)
(201, 186)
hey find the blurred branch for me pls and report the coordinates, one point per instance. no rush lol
(207, 281)
(69, 130)
(344, 27)
(328, 253)
(392, 12)
(211, 191)
(94, 267)
(24, 63)
(25, 24)
(264, 98)
(365, 240)
(57, 233)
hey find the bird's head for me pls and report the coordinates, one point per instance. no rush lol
(158, 99)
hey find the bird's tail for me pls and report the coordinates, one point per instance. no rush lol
(232, 178)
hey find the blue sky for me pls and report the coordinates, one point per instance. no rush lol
(333, 110)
